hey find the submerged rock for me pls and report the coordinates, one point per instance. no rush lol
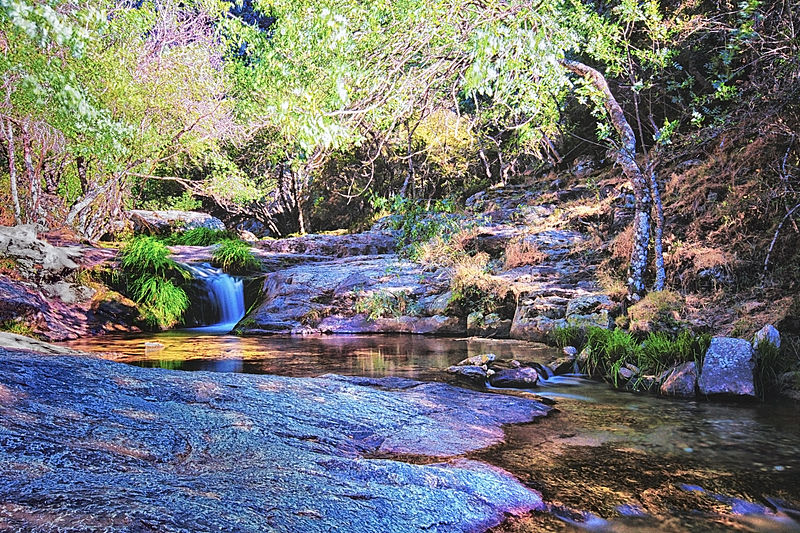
(728, 368)
(93, 444)
(479, 360)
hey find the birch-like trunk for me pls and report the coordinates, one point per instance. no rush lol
(8, 132)
(626, 157)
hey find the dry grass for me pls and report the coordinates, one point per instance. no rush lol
(471, 272)
(520, 252)
(622, 246)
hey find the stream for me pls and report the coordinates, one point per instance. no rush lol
(604, 461)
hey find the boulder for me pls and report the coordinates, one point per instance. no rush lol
(767, 334)
(34, 258)
(141, 432)
(478, 360)
(155, 222)
(563, 365)
(728, 368)
(680, 381)
(472, 373)
(517, 378)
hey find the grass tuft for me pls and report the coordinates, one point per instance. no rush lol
(235, 257)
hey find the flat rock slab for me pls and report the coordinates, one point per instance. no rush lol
(88, 444)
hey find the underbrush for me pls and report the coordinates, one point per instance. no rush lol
(154, 281)
(609, 351)
(475, 289)
(383, 303)
(418, 222)
(234, 256)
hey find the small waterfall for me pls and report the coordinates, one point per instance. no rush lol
(217, 300)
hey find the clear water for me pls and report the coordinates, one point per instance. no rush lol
(606, 460)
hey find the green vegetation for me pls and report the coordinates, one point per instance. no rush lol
(234, 256)
(18, 327)
(384, 303)
(771, 363)
(198, 237)
(609, 351)
(154, 281)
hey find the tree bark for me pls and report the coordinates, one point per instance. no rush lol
(626, 157)
(658, 234)
(8, 131)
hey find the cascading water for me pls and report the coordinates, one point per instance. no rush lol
(217, 300)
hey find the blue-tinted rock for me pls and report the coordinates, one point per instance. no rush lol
(517, 378)
(728, 368)
(92, 445)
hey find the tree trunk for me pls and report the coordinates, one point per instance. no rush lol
(12, 169)
(626, 157)
(33, 177)
(658, 234)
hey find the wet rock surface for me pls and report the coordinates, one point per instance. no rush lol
(87, 444)
(728, 368)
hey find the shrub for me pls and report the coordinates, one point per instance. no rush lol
(771, 363)
(234, 256)
(611, 350)
(18, 327)
(475, 289)
(569, 336)
(385, 303)
(153, 281)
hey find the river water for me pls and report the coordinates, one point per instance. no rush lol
(605, 461)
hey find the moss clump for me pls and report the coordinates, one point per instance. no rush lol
(659, 311)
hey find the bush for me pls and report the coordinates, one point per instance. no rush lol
(153, 281)
(18, 327)
(570, 336)
(475, 289)
(385, 303)
(520, 252)
(234, 256)
(771, 363)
